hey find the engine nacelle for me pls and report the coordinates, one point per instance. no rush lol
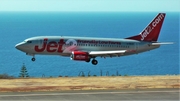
(80, 56)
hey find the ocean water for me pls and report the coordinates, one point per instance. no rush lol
(17, 26)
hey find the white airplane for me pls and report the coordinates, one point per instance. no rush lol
(87, 48)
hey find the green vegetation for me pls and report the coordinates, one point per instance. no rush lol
(60, 76)
(6, 76)
(95, 75)
(23, 73)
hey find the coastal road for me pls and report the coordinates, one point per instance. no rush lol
(145, 94)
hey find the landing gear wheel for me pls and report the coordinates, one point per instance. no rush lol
(94, 62)
(33, 59)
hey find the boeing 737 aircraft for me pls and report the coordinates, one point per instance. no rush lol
(87, 48)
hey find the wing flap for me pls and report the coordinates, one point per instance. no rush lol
(107, 53)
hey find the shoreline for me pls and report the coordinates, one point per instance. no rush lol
(89, 83)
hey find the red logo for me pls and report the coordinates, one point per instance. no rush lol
(51, 46)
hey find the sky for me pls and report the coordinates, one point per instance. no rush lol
(91, 5)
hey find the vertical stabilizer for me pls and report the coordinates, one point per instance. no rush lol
(151, 32)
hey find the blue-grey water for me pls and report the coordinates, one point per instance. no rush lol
(17, 26)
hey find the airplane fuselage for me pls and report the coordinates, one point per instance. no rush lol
(64, 45)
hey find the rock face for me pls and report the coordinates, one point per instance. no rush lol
(88, 83)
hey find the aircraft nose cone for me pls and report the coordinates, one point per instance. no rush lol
(19, 46)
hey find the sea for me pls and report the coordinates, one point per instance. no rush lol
(15, 27)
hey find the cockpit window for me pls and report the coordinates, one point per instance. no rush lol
(29, 41)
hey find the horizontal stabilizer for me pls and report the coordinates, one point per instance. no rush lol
(162, 43)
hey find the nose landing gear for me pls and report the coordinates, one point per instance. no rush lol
(33, 59)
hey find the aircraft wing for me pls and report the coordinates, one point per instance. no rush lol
(108, 53)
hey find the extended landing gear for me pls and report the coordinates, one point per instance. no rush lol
(94, 62)
(33, 59)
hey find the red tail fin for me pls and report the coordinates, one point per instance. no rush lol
(151, 32)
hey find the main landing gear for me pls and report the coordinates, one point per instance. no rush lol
(94, 61)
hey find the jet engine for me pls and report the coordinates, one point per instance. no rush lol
(80, 56)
